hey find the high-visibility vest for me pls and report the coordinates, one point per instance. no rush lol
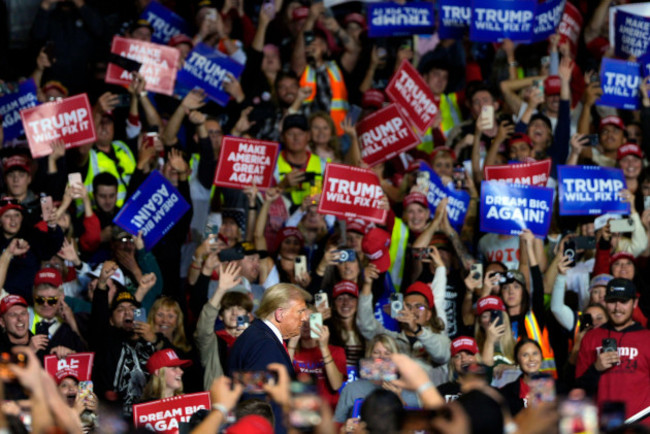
(314, 164)
(398, 242)
(451, 116)
(339, 103)
(541, 337)
(100, 162)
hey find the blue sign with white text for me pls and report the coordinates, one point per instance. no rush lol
(455, 17)
(208, 69)
(620, 81)
(10, 106)
(547, 17)
(392, 19)
(494, 20)
(631, 34)
(154, 209)
(458, 199)
(510, 208)
(165, 23)
(591, 190)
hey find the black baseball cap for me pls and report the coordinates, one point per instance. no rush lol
(620, 289)
(295, 121)
(247, 248)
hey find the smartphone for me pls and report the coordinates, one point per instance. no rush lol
(594, 139)
(496, 315)
(328, 13)
(243, 321)
(321, 300)
(594, 78)
(539, 84)
(231, 254)
(140, 314)
(612, 415)
(646, 202)
(310, 177)
(149, 140)
(578, 415)
(75, 179)
(570, 251)
(487, 116)
(210, 230)
(6, 359)
(422, 181)
(85, 388)
(459, 178)
(269, 8)
(356, 408)
(353, 114)
(542, 389)
(50, 46)
(300, 265)
(308, 36)
(305, 407)
(315, 318)
(545, 61)
(476, 271)
(396, 304)
(47, 207)
(124, 100)
(586, 321)
(377, 369)
(382, 54)
(609, 345)
(42, 329)
(584, 243)
(621, 225)
(254, 381)
(347, 255)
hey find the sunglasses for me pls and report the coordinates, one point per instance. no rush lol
(5, 202)
(52, 301)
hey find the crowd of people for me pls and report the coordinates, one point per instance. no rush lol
(342, 325)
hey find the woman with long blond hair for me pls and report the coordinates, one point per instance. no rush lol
(166, 379)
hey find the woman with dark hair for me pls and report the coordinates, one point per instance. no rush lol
(528, 354)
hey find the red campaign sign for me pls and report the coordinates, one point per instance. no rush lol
(70, 120)
(385, 134)
(570, 26)
(351, 192)
(78, 365)
(159, 64)
(536, 173)
(413, 96)
(165, 415)
(244, 161)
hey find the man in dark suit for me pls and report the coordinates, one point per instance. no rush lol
(280, 316)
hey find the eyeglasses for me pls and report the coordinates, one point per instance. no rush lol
(418, 306)
(126, 240)
(8, 201)
(52, 301)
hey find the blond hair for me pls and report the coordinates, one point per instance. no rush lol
(279, 295)
(179, 340)
(387, 341)
(156, 386)
(506, 341)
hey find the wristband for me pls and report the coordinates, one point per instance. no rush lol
(424, 387)
(222, 408)
(143, 94)
(513, 64)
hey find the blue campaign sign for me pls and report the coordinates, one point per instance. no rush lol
(458, 199)
(620, 81)
(392, 19)
(510, 208)
(631, 34)
(494, 20)
(154, 209)
(208, 68)
(591, 190)
(165, 23)
(10, 106)
(455, 16)
(547, 17)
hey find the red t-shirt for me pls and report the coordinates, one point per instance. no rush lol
(310, 361)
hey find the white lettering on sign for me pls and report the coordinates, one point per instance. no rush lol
(204, 69)
(60, 125)
(401, 16)
(381, 136)
(621, 84)
(162, 29)
(499, 20)
(355, 193)
(415, 96)
(153, 211)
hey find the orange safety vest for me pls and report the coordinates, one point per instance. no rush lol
(541, 337)
(339, 103)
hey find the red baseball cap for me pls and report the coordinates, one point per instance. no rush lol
(621, 255)
(489, 302)
(17, 162)
(180, 39)
(375, 245)
(165, 359)
(611, 120)
(424, 290)
(290, 231)
(443, 149)
(373, 98)
(552, 85)
(629, 149)
(355, 17)
(10, 301)
(357, 225)
(300, 13)
(415, 197)
(249, 424)
(463, 343)
(345, 287)
(519, 137)
(48, 276)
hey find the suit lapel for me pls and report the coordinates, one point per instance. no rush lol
(264, 328)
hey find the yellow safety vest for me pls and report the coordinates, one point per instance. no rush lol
(398, 242)
(339, 103)
(541, 337)
(451, 116)
(100, 162)
(314, 164)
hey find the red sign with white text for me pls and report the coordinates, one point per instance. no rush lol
(165, 415)
(243, 162)
(159, 64)
(570, 26)
(78, 365)
(385, 134)
(413, 96)
(536, 173)
(351, 192)
(69, 120)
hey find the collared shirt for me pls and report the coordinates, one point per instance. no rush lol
(275, 330)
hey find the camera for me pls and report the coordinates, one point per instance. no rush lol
(242, 321)
(396, 304)
(347, 255)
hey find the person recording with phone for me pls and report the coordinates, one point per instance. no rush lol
(614, 359)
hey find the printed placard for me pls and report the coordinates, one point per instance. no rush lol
(165, 22)
(159, 64)
(494, 20)
(244, 162)
(509, 208)
(536, 173)
(620, 81)
(384, 134)
(591, 190)
(165, 415)
(547, 17)
(69, 119)
(458, 199)
(629, 29)
(154, 209)
(208, 68)
(351, 192)
(413, 96)
(570, 26)
(392, 19)
(78, 365)
(455, 18)
(10, 106)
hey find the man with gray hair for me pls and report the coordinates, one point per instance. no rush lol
(280, 316)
